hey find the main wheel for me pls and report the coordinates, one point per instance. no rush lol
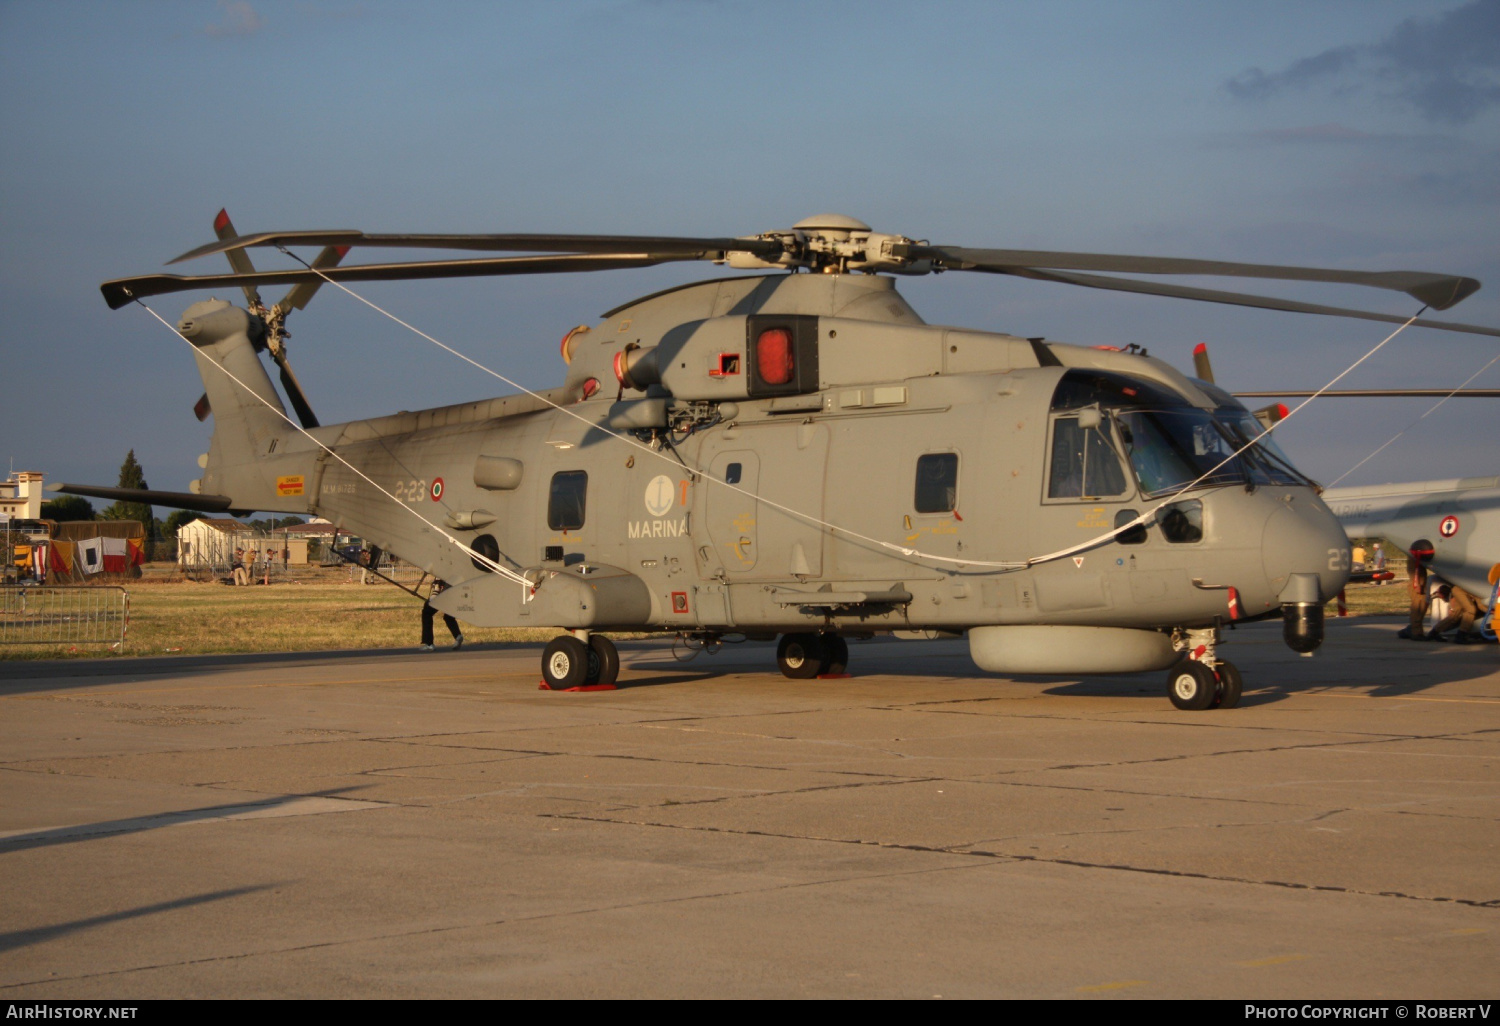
(565, 663)
(604, 660)
(1231, 683)
(835, 654)
(1191, 685)
(800, 656)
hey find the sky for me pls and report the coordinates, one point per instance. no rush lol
(1360, 134)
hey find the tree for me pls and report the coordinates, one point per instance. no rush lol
(68, 507)
(176, 519)
(131, 476)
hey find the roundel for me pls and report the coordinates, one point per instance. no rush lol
(659, 495)
(437, 489)
(1449, 527)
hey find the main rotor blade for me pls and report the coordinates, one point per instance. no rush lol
(602, 244)
(1095, 281)
(178, 500)
(1439, 291)
(298, 297)
(1380, 393)
(239, 260)
(121, 291)
(293, 387)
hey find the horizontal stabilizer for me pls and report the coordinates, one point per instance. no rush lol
(177, 500)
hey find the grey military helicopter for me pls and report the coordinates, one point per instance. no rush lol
(795, 452)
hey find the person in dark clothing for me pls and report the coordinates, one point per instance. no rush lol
(428, 613)
(1420, 555)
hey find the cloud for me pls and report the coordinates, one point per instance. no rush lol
(240, 19)
(1447, 67)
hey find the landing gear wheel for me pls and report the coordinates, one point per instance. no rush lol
(800, 656)
(1230, 685)
(1191, 685)
(604, 660)
(835, 654)
(565, 663)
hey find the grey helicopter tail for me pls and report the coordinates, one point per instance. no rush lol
(249, 415)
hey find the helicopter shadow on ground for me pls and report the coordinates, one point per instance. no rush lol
(21, 677)
(1267, 685)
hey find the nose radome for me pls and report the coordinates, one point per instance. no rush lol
(1304, 538)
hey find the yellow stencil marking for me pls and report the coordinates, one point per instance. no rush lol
(1116, 985)
(1261, 963)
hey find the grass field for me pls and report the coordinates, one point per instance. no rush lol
(326, 612)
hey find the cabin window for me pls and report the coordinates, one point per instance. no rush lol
(1084, 465)
(1182, 521)
(1136, 535)
(487, 547)
(937, 482)
(568, 499)
(732, 473)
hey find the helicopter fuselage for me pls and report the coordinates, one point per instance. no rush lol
(801, 453)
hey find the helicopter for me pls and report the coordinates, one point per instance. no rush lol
(795, 453)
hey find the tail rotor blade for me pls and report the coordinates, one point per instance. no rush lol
(1201, 367)
(299, 295)
(239, 260)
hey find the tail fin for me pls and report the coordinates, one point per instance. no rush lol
(248, 414)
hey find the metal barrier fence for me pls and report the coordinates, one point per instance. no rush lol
(77, 615)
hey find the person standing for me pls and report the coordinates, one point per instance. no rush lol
(1420, 555)
(428, 613)
(241, 575)
(1379, 558)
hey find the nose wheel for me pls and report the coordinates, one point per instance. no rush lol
(1194, 685)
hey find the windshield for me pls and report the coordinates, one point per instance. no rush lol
(1266, 456)
(1172, 448)
(1170, 443)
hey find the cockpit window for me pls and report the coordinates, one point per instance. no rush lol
(1084, 463)
(1079, 388)
(1170, 442)
(1172, 448)
(1267, 456)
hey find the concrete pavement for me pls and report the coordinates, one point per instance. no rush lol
(398, 824)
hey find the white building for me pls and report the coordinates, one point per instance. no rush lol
(21, 495)
(211, 541)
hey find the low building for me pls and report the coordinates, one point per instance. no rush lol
(21, 495)
(210, 542)
(316, 539)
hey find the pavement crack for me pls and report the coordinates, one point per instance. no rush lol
(1006, 856)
